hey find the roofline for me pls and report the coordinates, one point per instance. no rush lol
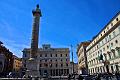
(79, 45)
(106, 25)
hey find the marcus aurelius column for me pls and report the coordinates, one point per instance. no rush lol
(35, 32)
(33, 62)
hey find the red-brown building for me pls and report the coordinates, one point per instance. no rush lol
(6, 60)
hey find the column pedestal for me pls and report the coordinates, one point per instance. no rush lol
(32, 68)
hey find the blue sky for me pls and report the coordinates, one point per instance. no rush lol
(63, 22)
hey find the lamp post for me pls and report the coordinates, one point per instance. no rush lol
(72, 61)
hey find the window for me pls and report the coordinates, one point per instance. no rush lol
(45, 60)
(102, 42)
(103, 49)
(104, 31)
(114, 34)
(111, 24)
(45, 55)
(66, 64)
(112, 69)
(66, 55)
(40, 65)
(51, 60)
(40, 60)
(24, 65)
(60, 55)
(117, 19)
(106, 39)
(119, 29)
(67, 71)
(56, 60)
(107, 47)
(111, 44)
(40, 55)
(25, 61)
(98, 52)
(56, 55)
(61, 59)
(109, 37)
(107, 27)
(116, 41)
(97, 46)
(51, 55)
(45, 65)
(25, 55)
(61, 65)
(56, 65)
(114, 55)
(117, 67)
(109, 55)
(46, 47)
(66, 59)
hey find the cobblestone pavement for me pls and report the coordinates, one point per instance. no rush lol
(86, 78)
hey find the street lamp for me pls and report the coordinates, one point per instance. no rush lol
(72, 61)
(72, 58)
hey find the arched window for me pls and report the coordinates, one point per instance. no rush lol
(105, 56)
(109, 55)
(116, 41)
(113, 52)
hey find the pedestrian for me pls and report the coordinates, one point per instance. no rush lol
(98, 77)
(69, 76)
(117, 74)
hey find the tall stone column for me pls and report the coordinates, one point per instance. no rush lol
(35, 32)
(33, 62)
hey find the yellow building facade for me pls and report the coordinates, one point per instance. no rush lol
(17, 63)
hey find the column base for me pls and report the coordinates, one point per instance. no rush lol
(32, 68)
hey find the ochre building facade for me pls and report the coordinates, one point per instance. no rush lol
(82, 58)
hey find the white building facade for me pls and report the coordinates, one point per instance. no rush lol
(53, 61)
(103, 53)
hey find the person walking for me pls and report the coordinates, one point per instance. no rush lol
(98, 77)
